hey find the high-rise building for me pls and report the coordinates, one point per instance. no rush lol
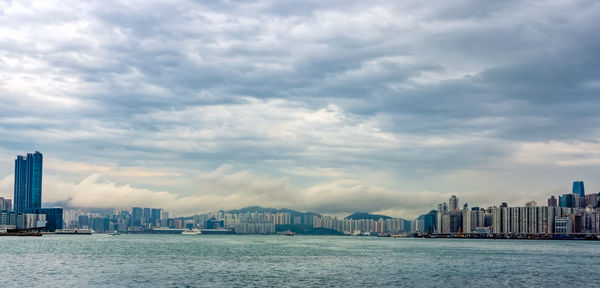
(566, 200)
(137, 214)
(592, 200)
(451, 222)
(578, 188)
(28, 182)
(453, 203)
(442, 208)
(552, 202)
(82, 220)
(154, 216)
(430, 222)
(5, 204)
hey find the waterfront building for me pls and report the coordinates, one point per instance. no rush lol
(563, 225)
(83, 222)
(28, 182)
(54, 217)
(442, 208)
(251, 226)
(578, 188)
(527, 220)
(475, 220)
(8, 220)
(146, 217)
(467, 221)
(31, 221)
(430, 222)
(101, 224)
(451, 222)
(350, 226)
(137, 214)
(155, 217)
(213, 223)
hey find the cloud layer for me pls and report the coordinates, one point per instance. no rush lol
(345, 100)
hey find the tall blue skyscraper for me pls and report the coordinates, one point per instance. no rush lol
(578, 188)
(28, 182)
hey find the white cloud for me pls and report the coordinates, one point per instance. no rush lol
(558, 153)
(58, 165)
(7, 187)
(226, 188)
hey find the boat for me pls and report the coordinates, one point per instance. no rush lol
(191, 232)
(288, 233)
(74, 231)
(115, 233)
(20, 234)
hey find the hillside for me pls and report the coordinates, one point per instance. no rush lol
(363, 215)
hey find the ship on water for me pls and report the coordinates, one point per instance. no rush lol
(191, 232)
(74, 231)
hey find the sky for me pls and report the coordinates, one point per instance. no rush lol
(327, 106)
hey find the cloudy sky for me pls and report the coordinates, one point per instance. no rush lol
(327, 106)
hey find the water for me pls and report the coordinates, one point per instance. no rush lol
(299, 261)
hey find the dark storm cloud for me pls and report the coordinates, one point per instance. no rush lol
(411, 88)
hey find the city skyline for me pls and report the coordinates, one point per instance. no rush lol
(577, 218)
(572, 214)
(331, 107)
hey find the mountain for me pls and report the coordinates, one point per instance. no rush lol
(258, 209)
(363, 215)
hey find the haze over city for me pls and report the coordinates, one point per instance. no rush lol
(330, 107)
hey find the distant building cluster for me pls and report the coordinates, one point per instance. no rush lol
(245, 222)
(363, 226)
(255, 222)
(10, 220)
(122, 220)
(139, 219)
(572, 213)
(254, 226)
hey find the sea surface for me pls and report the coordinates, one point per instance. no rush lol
(299, 261)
